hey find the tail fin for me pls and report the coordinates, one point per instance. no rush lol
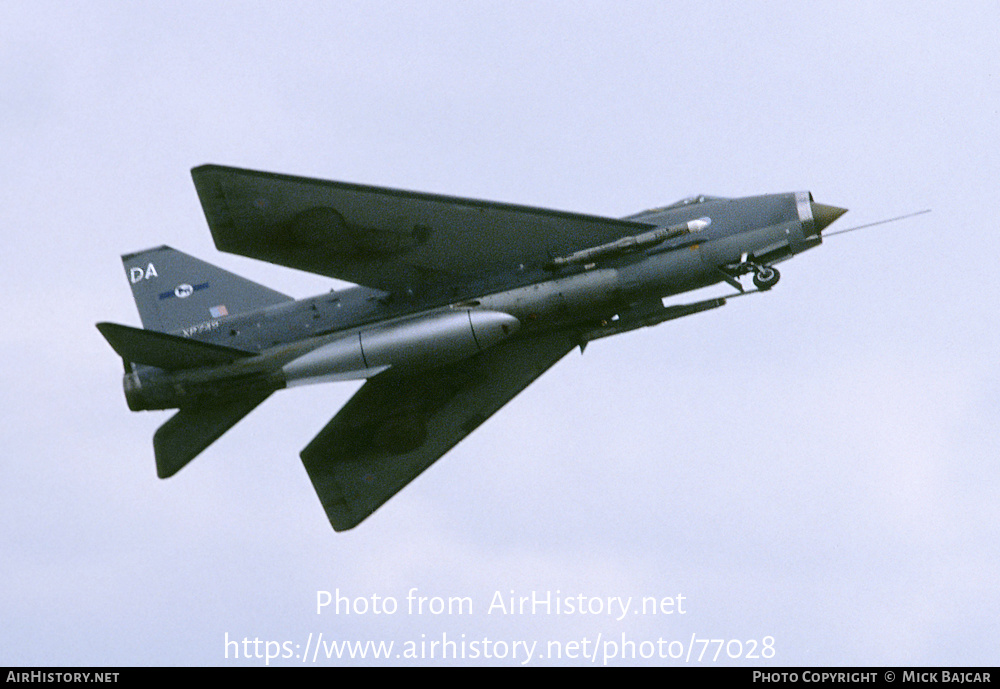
(192, 429)
(173, 290)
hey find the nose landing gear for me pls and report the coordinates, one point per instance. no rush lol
(765, 277)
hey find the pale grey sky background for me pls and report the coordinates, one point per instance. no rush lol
(818, 465)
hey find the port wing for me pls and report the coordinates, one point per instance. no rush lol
(386, 238)
(396, 426)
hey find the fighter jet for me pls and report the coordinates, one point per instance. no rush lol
(458, 305)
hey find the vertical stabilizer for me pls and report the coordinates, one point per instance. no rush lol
(173, 290)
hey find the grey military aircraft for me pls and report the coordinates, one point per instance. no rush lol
(459, 305)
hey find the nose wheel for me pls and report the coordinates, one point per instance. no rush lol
(765, 277)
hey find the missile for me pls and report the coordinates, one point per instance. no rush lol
(413, 343)
(630, 244)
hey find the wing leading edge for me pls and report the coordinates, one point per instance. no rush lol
(396, 426)
(385, 238)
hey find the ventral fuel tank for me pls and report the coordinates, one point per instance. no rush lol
(413, 344)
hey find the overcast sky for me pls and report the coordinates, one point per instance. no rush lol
(817, 466)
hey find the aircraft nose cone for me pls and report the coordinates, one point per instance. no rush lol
(823, 215)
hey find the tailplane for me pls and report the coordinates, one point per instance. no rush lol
(173, 290)
(169, 352)
(192, 429)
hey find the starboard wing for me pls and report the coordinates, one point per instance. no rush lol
(396, 426)
(385, 238)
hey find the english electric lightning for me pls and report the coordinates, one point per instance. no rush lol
(458, 306)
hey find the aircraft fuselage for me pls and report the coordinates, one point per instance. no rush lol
(358, 332)
(459, 305)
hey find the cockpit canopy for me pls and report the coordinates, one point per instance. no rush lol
(689, 201)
